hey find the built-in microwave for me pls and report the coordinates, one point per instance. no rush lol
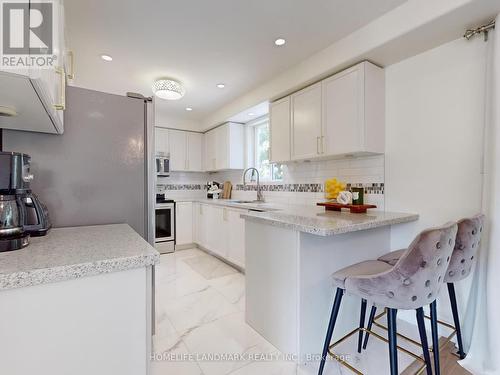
(162, 164)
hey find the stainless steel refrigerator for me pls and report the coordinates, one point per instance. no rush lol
(99, 170)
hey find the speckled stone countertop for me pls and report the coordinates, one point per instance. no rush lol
(315, 220)
(73, 253)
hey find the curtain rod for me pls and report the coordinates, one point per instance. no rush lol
(481, 29)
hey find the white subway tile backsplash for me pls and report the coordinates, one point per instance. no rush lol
(302, 181)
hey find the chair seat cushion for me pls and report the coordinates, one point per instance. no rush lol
(392, 257)
(369, 267)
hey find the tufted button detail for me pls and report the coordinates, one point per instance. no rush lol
(439, 261)
(429, 296)
(414, 298)
(451, 273)
(480, 229)
(406, 282)
(423, 264)
(438, 245)
(450, 241)
(474, 232)
(390, 294)
(439, 279)
(472, 257)
(473, 245)
(463, 272)
(427, 283)
(462, 261)
(448, 259)
(461, 247)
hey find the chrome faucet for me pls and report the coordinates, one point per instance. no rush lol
(260, 198)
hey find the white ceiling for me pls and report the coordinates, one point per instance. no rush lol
(203, 42)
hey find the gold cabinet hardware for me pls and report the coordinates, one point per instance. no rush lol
(62, 96)
(71, 56)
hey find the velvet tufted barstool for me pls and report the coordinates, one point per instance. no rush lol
(461, 263)
(413, 282)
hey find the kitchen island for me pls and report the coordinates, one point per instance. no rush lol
(290, 257)
(77, 301)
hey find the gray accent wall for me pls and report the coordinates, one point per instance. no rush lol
(95, 173)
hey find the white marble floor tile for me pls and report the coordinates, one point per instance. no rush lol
(210, 267)
(232, 287)
(268, 368)
(231, 336)
(189, 253)
(175, 361)
(186, 283)
(191, 311)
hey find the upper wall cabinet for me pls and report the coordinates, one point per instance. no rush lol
(341, 115)
(279, 114)
(161, 140)
(225, 147)
(42, 110)
(354, 111)
(185, 151)
(306, 123)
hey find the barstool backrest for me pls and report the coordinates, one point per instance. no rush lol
(466, 247)
(416, 278)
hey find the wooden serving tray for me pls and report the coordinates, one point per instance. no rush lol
(354, 208)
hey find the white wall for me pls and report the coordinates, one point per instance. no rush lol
(434, 122)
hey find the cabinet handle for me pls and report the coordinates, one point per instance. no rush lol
(322, 144)
(62, 96)
(318, 139)
(71, 55)
(224, 214)
(201, 209)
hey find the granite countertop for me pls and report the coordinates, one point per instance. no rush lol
(265, 206)
(315, 220)
(72, 253)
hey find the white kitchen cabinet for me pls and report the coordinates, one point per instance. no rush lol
(177, 141)
(353, 111)
(341, 115)
(225, 147)
(194, 152)
(235, 229)
(306, 123)
(219, 230)
(210, 147)
(185, 150)
(48, 84)
(184, 223)
(279, 129)
(161, 140)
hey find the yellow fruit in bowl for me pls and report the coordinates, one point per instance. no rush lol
(333, 187)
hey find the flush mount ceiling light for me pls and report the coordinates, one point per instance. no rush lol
(189, 109)
(280, 42)
(106, 58)
(221, 85)
(251, 114)
(168, 89)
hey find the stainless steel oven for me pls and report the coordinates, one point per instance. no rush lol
(165, 227)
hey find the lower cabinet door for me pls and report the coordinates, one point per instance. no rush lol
(236, 238)
(184, 223)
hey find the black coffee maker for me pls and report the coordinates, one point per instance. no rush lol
(21, 213)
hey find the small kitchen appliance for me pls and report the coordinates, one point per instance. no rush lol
(21, 212)
(213, 190)
(162, 164)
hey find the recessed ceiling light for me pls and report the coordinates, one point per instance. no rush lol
(169, 89)
(280, 42)
(189, 109)
(251, 114)
(221, 85)
(106, 58)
